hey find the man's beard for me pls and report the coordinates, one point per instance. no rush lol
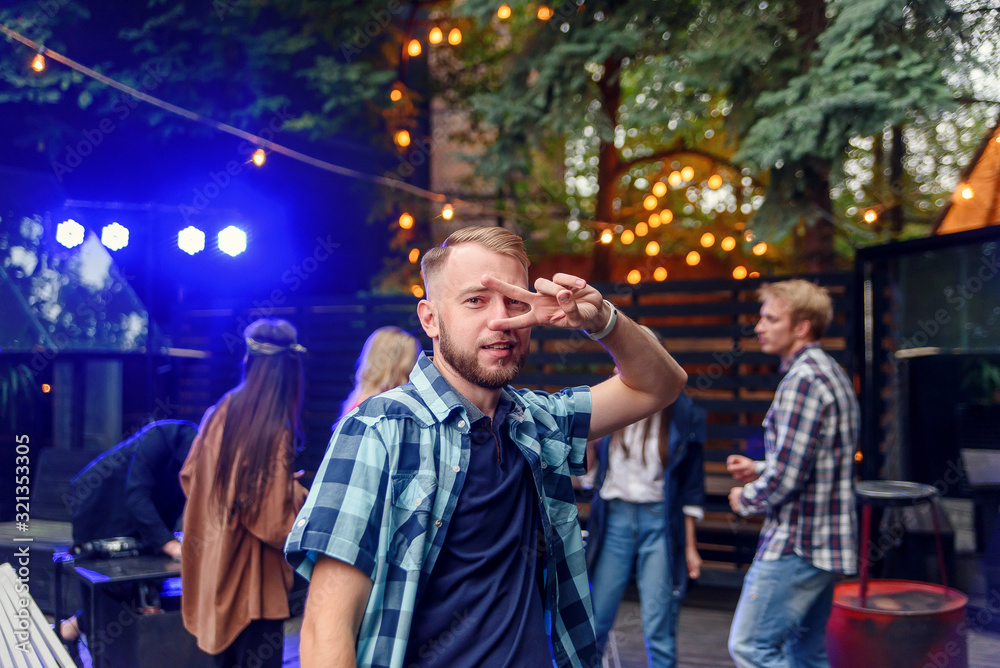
(468, 367)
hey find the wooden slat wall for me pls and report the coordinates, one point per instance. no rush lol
(706, 324)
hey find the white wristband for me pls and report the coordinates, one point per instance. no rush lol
(612, 321)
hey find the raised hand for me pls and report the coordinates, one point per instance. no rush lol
(565, 301)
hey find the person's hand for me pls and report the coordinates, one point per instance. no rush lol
(741, 468)
(172, 549)
(693, 561)
(566, 301)
(735, 494)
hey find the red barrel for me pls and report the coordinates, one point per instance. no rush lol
(904, 624)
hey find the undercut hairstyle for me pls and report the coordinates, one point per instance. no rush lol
(805, 301)
(496, 239)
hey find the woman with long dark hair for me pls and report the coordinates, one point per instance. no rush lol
(242, 498)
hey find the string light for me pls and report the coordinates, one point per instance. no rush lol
(967, 192)
(760, 248)
(754, 274)
(693, 258)
(749, 236)
(405, 220)
(687, 173)
(652, 249)
(435, 35)
(448, 212)
(659, 188)
(634, 277)
(414, 255)
(395, 95)
(707, 239)
(628, 236)
(454, 36)
(728, 244)
(740, 272)
(666, 217)
(38, 62)
(417, 291)
(402, 138)
(503, 12)
(715, 182)
(870, 216)
(660, 273)
(675, 179)
(641, 229)
(413, 49)
(46, 388)
(607, 237)
(544, 13)
(654, 220)
(259, 157)
(649, 203)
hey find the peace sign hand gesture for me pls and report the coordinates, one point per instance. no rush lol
(566, 301)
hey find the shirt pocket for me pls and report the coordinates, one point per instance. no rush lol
(412, 499)
(557, 483)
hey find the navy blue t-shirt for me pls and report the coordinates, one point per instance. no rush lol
(482, 606)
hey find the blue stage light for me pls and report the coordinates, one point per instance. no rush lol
(232, 241)
(114, 236)
(191, 240)
(69, 233)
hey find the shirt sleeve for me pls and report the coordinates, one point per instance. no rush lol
(342, 516)
(797, 421)
(571, 410)
(149, 460)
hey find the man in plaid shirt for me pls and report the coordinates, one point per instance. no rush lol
(441, 529)
(805, 487)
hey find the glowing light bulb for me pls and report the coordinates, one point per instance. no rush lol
(693, 258)
(666, 217)
(448, 212)
(660, 273)
(659, 188)
(413, 49)
(634, 277)
(503, 12)
(402, 138)
(259, 157)
(760, 249)
(70, 233)
(414, 255)
(675, 179)
(967, 192)
(687, 173)
(405, 220)
(707, 239)
(544, 13)
(417, 291)
(38, 62)
(652, 249)
(654, 220)
(46, 388)
(715, 182)
(641, 229)
(454, 36)
(649, 203)
(749, 236)
(628, 236)
(191, 240)
(728, 244)
(395, 95)
(435, 35)
(740, 272)
(607, 237)
(870, 216)
(754, 274)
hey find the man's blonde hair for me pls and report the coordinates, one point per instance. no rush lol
(497, 239)
(805, 300)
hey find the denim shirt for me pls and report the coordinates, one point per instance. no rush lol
(385, 493)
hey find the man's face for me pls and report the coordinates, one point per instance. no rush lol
(777, 334)
(462, 310)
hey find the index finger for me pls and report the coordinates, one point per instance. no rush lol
(505, 288)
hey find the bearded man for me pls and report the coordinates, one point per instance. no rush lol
(442, 528)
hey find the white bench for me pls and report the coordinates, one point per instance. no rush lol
(26, 639)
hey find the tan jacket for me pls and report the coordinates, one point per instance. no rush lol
(233, 573)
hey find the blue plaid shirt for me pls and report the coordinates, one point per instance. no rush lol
(386, 490)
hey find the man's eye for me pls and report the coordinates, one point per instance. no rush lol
(475, 300)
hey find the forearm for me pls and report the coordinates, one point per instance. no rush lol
(644, 365)
(335, 607)
(323, 645)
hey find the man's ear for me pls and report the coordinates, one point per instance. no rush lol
(428, 318)
(803, 330)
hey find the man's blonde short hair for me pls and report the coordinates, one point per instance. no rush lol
(805, 301)
(496, 239)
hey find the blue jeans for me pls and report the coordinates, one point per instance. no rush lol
(635, 538)
(781, 617)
